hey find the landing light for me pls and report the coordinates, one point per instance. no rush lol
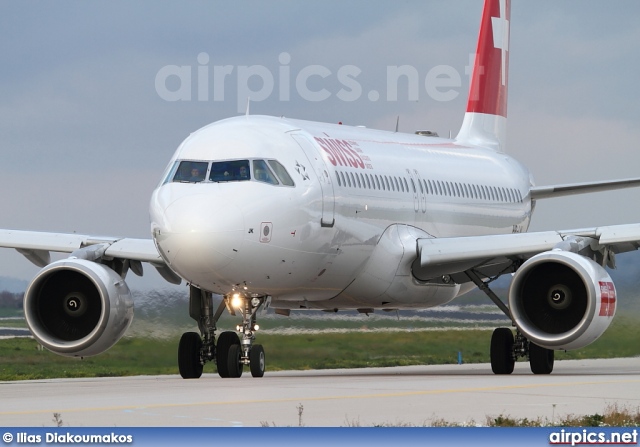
(236, 301)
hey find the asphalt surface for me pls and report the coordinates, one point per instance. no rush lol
(417, 395)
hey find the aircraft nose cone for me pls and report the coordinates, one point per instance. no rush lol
(200, 235)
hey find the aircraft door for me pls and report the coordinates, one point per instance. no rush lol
(414, 189)
(421, 191)
(322, 174)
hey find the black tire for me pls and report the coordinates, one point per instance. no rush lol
(225, 341)
(234, 365)
(502, 361)
(540, 359)
(189, 356)
(257, 361)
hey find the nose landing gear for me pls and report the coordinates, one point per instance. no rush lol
(231, 352)
(247, 353)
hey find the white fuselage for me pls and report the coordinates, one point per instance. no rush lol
(305, 244)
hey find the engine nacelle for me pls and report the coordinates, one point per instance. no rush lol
(562, 300)
(78, 308)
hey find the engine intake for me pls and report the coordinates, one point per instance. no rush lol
(78, 308)
(562, 300)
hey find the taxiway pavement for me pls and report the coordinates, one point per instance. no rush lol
(415, 395)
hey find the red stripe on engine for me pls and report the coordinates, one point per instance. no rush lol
(607, 299)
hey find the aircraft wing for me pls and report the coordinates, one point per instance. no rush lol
(498, 254)
(36, 247)
(546, 192)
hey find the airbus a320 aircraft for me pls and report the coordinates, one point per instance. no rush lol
(288, 214)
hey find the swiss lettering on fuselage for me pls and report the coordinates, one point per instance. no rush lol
(344, 153)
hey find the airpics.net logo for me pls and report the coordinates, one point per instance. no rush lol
(205, 81)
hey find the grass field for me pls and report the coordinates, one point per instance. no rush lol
(21, 358)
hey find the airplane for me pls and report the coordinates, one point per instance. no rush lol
(259, 212)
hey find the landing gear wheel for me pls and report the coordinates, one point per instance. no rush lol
(225, 341)
(189, 362)
(540, 359)
(234, 364)
(502, 361)
(256, 361)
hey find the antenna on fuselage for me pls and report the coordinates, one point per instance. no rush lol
(397, 122)
(248, 102)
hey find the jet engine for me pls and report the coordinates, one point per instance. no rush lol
(78, 308)
(562, 300)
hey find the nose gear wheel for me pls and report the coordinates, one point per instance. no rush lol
(232, 350)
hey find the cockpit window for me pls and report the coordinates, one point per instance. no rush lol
(262, 173)
(281, 172)
(271, 172)
(191, 171)
(230, 171)
(171, 172)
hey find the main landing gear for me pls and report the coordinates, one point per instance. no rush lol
(231, 352)
(505, 348)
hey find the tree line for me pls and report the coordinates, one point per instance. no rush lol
(11, 300)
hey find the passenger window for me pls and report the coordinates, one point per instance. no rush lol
(281, 173)
(191, 171)
(262, 173)
(338, 178)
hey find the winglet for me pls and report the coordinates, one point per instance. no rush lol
(486, 117)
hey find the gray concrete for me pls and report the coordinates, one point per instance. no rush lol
(406, 395)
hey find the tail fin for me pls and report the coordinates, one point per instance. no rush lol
(486, 117)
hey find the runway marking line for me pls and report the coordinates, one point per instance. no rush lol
(361, 396)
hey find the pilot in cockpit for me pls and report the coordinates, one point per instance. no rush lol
(195, 175)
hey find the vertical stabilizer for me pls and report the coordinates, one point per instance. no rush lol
(485, 121)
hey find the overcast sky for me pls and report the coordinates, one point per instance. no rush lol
(85, 132)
